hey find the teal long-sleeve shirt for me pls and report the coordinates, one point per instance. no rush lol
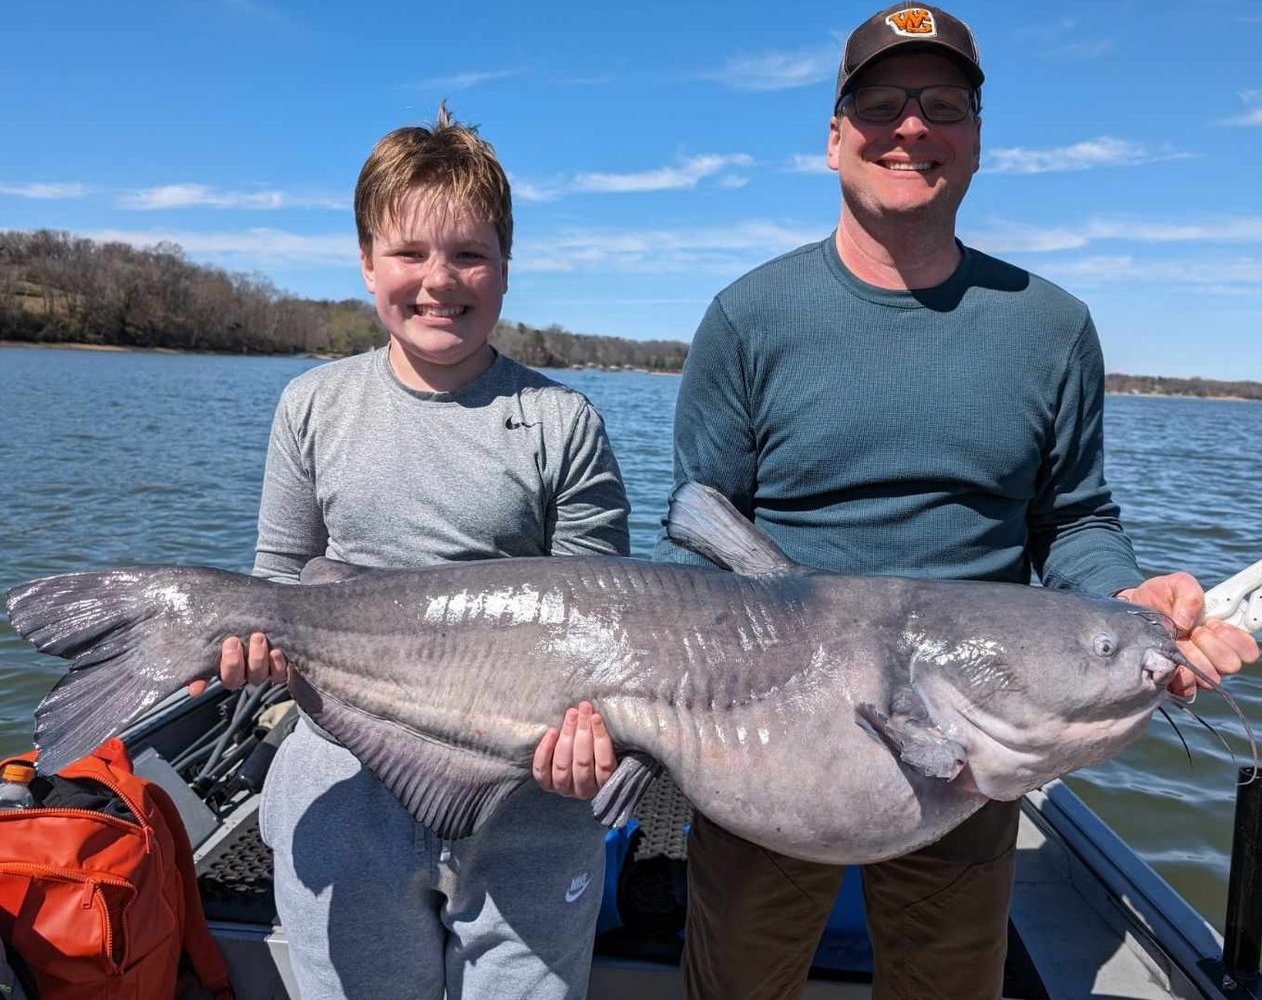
(952, 432)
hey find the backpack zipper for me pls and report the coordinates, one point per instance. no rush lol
(91, 890)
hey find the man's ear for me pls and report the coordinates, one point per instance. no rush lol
(977, 145)
(365, 268)
(832, 151)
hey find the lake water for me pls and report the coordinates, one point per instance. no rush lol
(116, 458)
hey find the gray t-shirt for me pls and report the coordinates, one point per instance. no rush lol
(362, 469)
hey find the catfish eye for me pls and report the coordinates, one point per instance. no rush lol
(1105, 644)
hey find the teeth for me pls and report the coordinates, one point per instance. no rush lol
(919, 167)
(442, 312)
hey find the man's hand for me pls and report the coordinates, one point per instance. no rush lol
(579, 758)
(236, 668)
(1215, 648)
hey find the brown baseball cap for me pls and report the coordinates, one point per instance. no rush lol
(906, 28)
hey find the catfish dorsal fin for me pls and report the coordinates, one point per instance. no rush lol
(702, 519)
(322, 569)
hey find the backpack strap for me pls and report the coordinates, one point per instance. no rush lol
(197, 941)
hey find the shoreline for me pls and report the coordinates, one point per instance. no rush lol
(117, 349)
(314, 356)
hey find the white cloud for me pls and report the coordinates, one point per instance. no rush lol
(684, 176)
(1239, 276)
(245, 248)
(1253, 110)
(168, 196)
(44, 190)
(726, 250)
(533, 191)
(1005, 236)
(808, 163)
(463, 81)
(1106, 151)
(1013, 237)
(1230, 229)
(779, 70)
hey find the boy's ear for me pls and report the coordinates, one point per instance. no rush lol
(505, 273)
(365, 268)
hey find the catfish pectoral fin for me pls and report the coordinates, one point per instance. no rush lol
(919, 743)
(452, 790)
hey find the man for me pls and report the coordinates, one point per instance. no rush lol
(889, 401)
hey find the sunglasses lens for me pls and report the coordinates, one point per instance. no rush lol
(945, 104)
(941, 105)
(879, 104)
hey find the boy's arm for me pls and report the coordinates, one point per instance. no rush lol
(588, 513)
(588, 517)
(291, 529)
(291, 532)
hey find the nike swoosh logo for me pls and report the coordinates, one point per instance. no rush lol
(577, 888)
(513, 425)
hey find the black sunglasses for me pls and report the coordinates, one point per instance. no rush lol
(940, 104)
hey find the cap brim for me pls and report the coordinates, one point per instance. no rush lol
(969, 68)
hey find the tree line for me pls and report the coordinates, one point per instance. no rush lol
(1158, 385)
(57, 288)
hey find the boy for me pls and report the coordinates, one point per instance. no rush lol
(435, 448)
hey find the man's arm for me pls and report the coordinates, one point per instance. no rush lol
(1077, 540)
(714, 435)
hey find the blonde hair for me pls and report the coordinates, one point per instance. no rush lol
(449, 159)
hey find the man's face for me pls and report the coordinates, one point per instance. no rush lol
(909, 165)
(438, 279)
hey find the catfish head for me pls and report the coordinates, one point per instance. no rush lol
(1037, 683)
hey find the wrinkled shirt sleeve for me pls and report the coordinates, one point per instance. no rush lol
(291, 529)
(1076, 539)
(588, 515)
(714, 438)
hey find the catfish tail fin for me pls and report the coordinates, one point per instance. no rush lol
(134, 635)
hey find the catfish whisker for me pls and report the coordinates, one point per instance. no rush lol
(1217, 735)
(1186, 749)
(1215, 686)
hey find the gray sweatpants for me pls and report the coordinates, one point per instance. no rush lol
(376, 906)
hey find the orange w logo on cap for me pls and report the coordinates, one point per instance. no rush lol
(912, 21)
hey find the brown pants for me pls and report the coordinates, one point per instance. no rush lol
(938, 918)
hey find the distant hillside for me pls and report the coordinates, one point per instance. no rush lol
(1158, 385)
(56, 288)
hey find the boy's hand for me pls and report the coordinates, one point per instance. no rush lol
(579, 758)
(236, 668)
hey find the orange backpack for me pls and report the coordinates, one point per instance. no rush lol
(102, 908)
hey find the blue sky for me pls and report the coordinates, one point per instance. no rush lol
(657, 150)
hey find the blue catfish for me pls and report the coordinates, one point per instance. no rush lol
(841, 719)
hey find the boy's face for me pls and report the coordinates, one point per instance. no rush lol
(438, 278)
